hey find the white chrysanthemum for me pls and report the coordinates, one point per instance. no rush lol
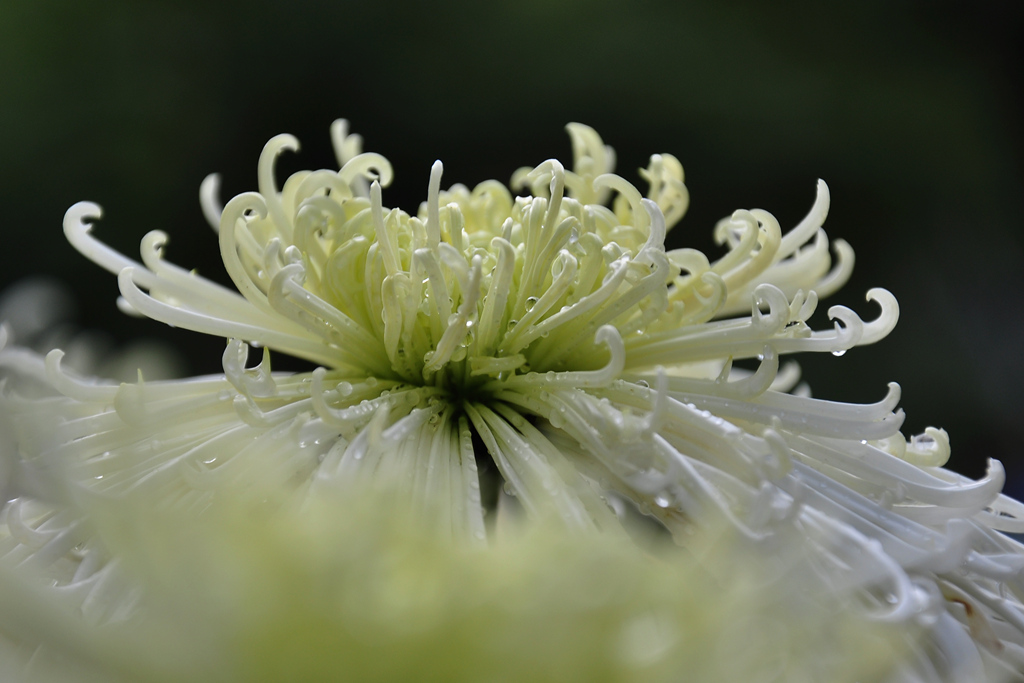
(549, 335)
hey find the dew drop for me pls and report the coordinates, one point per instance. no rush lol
(838, 352)
(531, 302)
(643, 383)
(661, 501)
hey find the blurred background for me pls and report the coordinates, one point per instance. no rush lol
(911, 111)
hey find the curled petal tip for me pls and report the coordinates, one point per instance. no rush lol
(125, 276)
(209, 191)
(81, 215)
(658, 227)
(881, 294)
(282, 142)
(886, 322)
(211, 183)
(994, 468)
(245, 203)
(127, 309)
(893, 397)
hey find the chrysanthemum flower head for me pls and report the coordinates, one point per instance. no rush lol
(540, 354)
(484, 312)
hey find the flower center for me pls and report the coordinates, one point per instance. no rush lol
(479, 289)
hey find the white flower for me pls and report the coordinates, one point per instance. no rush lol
(550, 338)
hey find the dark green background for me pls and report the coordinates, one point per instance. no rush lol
(910, 110)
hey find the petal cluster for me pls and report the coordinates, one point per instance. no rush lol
(497, 355)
